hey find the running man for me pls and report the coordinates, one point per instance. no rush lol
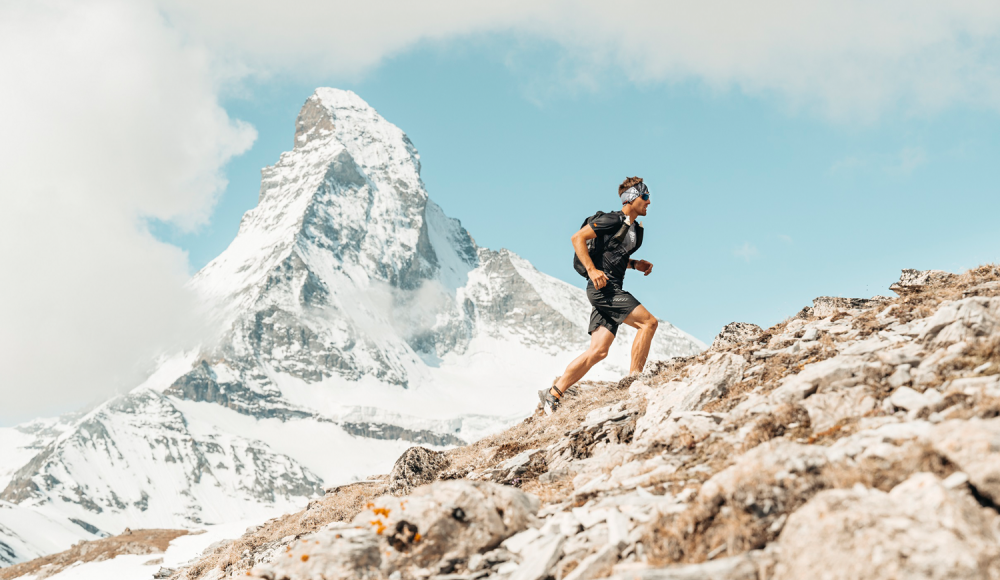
(612, 305)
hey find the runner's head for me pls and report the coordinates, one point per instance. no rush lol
(634, 193)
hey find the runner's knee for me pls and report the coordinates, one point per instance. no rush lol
(649, 324)
(598, 354)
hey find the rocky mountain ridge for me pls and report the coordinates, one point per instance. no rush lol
(352, 311)
(857, 439)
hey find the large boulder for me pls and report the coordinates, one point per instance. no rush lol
(705, 382)
(415, 467)
(964, 319)
(448, 520)
(435, 527)
(920, 529)
(974, 447)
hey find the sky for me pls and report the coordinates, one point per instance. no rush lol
(792, 150)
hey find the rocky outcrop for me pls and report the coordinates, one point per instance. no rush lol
(735, 333)
(859, 444)
(922, 528)
(826, 305)
(916, 280)
(415, 467)
(442, 526)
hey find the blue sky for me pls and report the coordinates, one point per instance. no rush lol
(758, 206)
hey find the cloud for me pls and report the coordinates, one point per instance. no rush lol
(786, 238)
(847, 59)
(109, 118)
(747, 251)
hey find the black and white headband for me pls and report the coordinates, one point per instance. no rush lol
(633, 192)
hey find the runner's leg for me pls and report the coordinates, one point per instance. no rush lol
(646, 324)
(600, 342)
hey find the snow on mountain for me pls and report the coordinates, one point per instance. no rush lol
(354, 313)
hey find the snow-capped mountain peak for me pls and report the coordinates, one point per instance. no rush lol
(353, 312)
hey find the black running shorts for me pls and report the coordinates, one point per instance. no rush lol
(612, 305)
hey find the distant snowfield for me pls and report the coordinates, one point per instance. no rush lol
(180, 552)
(322, 447)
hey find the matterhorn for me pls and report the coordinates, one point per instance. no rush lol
(355, 320)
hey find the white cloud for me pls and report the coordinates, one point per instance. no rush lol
(108, 119)
(848, 59)
(747, 252)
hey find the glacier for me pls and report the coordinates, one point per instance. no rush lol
(353, 319)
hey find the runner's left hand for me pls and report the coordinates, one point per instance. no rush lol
(643, 266)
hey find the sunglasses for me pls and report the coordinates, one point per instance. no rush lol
(645, 197)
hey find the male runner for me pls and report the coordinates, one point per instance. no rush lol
(612, 305)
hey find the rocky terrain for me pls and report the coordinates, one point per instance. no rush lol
(859, 438)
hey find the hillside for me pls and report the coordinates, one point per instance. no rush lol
(857, 439)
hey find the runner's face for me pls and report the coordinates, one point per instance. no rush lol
(641, 205)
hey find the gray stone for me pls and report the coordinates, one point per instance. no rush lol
(974, 446)
(964, 319)
(415, 467)
(908, 399)
(914, 280)
(824, 306)
(705, 382)
(735, 333)
(921, 529)
(900, 377)
(826, 409)
(595, 565)
(538, 558)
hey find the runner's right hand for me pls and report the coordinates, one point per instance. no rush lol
(598, 278)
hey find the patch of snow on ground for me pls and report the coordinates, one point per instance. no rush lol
(180, 552)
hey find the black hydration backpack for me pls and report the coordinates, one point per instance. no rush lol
(596, 247)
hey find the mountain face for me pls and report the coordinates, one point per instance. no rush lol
(353, 312)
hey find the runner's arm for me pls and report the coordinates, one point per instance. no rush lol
(579, 240)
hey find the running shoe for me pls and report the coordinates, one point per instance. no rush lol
(550, 403)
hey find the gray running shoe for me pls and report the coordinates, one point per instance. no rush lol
(550, 404)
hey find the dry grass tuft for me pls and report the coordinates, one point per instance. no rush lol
(789, 419)
(139, 542)
(977, 353)
(746, 520)
(922, 302)
(886, 474)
